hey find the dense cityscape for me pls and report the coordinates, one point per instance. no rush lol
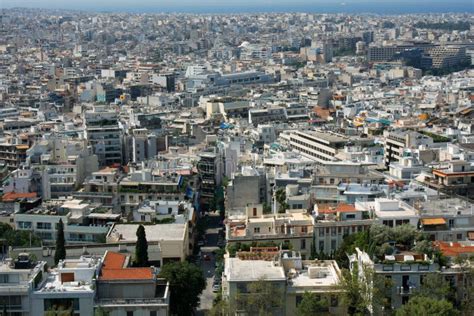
(157, 164)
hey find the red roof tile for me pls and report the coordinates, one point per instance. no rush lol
(126, 274)
(454, 249)
(13, 196)
(113, 269)
(340, 208)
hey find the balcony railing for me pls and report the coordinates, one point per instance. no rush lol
(132, 301)
(405, 290)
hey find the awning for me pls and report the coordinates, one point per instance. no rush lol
(433, 221)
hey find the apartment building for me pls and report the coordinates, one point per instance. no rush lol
(69, 288)
(101, 187)
(446, 219)
(148, 184)
(20, 277)
(123, 290)
(102, 131)
(294, 227)
(389, 212)
(173, 239)
(397, 141)
(455, 176)
(286, 271)
(13, 152)
(268, 115)
(334, 222)
(319, 146)
(211, 169)
(76, 215)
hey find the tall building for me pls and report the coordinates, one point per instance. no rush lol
(102, 131)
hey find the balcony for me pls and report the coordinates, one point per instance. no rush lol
(406, 290)
(117, 302)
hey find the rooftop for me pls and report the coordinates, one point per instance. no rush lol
(127, 232)
(238, 270)
(115, 268)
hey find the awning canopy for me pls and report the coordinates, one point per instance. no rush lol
(433, 221)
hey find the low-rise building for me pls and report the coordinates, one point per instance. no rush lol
(294, 227)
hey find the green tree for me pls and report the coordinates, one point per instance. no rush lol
(280, 196)
(141, 248)
(221, 308)
(424, 306)
(186, 284)
(356, 292)
(60, 252)
(312, 304)
(260, 298)
(313, 248)
(435, 286)
(99, 311)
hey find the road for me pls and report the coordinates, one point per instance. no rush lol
(208, 267)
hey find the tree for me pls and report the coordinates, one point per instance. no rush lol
(186, 284)
(141, 248)
(280, 197)
(261, 298)
(313, 248)
(422, 306)
(100, 311)
(312, 304)
(221, 308)
(435, 286)
(60, 252)
(356, 292)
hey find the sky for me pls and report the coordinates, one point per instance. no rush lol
(227, 6)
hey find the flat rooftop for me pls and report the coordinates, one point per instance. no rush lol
(127, 232)
(451, 206)
(316, 275)
(329, 137)
(238, 270)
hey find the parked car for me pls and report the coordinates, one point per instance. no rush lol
(216, 288)
(201, 243)
(207, 258)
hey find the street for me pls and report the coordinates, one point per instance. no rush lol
(208, 267)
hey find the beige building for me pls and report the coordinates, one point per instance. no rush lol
(290, 275)
(173, 238)
(293, 228)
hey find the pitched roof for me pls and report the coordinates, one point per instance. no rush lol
(340, 208)
(114, 268)
(454, 249)
(13, 196)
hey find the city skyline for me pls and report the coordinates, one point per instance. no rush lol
(213, 6)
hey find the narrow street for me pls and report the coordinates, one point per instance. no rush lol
(208, 266)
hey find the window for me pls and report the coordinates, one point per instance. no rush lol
(129, 313)
(298, 300)
(254, 211)
(350, 216)
(321, 232)
(256, 230)
(333, 244)
(24, 225)
(153, 313)
(3, 278)
(459, 236)
(304, 229)
(43, 225)
(333, 231)
(321, 245)
(303, 244)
